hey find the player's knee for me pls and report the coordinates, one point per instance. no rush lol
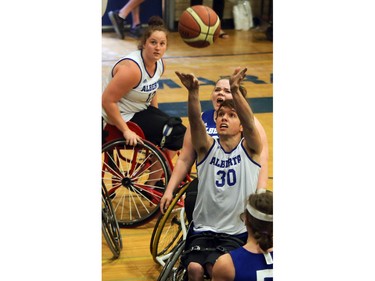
(195, 271)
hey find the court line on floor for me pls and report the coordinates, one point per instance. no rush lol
(258, 105)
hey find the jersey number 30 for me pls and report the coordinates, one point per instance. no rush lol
(228, 178)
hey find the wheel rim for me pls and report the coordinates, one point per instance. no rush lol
(135, 178)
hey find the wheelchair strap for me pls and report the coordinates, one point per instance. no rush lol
(212, 236)
(167, 130)
(199, 249)
(168, 127)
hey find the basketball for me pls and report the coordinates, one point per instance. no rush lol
(199, 26)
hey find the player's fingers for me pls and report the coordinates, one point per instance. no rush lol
(166, 205)
(139, 139)
(243, 72)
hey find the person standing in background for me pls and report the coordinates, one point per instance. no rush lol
(118, 19)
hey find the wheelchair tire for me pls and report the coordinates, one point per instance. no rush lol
(173, 269)
(126, 173)
(167, 232)
(110, 227)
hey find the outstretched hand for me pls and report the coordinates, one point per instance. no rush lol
(236, 78)
(188, 80)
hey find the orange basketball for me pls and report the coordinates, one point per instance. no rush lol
(199, 26)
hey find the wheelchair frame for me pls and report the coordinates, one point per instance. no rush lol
(110, 227)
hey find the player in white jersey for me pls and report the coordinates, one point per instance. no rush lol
(253, 261)
(186, 158)
(228, 173)
(131, 92)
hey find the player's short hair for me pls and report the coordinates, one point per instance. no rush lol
(227, 103)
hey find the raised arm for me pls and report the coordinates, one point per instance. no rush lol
(263, 174)
(252, 143)
(200, 139)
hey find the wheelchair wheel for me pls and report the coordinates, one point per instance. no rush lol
(110, 228)
(135, 178)
(167, 232)
(173, 269)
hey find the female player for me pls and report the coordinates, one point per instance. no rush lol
(254, 260)
(131, 92)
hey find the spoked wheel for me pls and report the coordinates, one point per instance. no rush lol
(173, 269)
(168, 230)
(135, 178)
(110, 227)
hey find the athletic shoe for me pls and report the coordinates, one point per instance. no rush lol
(136, 31)
(118, 23)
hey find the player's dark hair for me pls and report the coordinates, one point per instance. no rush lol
(261, 230)
(155, 23)
(226, 103)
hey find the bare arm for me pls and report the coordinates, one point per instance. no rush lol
(200, 139)
(181, 169)
(263, 174)
(126, 76)
(154, 101)
(252, 142)
(223, 269)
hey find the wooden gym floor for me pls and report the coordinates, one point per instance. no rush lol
(248, 49)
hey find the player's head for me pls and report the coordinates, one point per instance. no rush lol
(155, 32)
(227, 121)
(221, 92)
(258, 217)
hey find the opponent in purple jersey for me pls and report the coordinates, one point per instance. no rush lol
(208, 118)
(253, 261)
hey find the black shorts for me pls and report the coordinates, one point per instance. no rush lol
(190, 198)
(206, 247)
(152, 121)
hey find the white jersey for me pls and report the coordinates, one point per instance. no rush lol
(139, 98)
(226, 180)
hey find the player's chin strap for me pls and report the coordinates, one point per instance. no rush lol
(168, 127)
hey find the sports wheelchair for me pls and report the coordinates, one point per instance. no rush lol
(134, 176)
